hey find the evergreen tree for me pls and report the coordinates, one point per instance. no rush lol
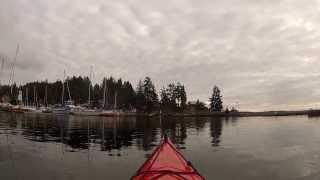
(165, 103)
(123, 89)
(181, 97)
(216, 103)
(140, 98)
(78, 89)
(150, 94)
(173, 98)
(127, 96)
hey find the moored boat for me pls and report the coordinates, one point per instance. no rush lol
(110, 113)
(65, 106)
(85, 112)
(32, 110)
(5, 107)
(17, 109)
(46, 110)
(60, 109)
(167, 163)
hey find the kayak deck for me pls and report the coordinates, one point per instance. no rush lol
(166, 162)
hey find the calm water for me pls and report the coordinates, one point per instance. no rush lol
(77, 148)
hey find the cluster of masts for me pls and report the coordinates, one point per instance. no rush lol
(64, 107)
(11, 68)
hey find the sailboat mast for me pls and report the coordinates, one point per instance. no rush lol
(46, 96)
(115, 100)
(27, 97)
(62, 95)
(1, 71)
(68, 90)
(104, 92)
(89, 97)
(34, 96)
(13, 67)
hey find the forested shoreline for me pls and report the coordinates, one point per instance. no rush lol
(143, 97)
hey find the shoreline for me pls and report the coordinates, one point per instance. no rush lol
(240, 114)
(311, 113)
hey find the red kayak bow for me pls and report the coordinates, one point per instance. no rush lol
(166, 162)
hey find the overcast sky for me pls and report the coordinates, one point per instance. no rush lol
(263, 54)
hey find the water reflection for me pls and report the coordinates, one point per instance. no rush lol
(216, 130)
(109, 133)
(69, 147)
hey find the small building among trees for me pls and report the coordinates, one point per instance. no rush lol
(196, 106)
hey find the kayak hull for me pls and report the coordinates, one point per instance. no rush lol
(166, 162)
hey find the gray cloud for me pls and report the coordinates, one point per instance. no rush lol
(263, 54)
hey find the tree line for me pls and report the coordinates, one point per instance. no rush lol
(111, 93)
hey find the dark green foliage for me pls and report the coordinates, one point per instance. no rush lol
(79, 91)
(173, 98)
(150, 94)
(13, 100)
(166, 104)
(144, 99)
(79, 88)
(199, 106)
(216, 103)
(127, 93)
(96, 95)
(140, 98)
(146, 96)
(5, 93)
(36, 92)
(118, 90)
(181, 97)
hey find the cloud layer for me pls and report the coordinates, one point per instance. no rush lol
(263, 54)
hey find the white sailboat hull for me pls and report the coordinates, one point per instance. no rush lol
(86, 113)
(61, 110)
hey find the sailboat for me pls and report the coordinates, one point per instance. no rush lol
(87, 111)
(15, 108)
(46, 109)
(11, 107)
(62, 108)
(34, 108)
(112, 112)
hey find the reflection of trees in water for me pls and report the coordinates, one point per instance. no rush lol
(146, 133)
(77, 132)
(116, 133)
(10, 120)
(216, 130)
(176, 129)
(232, 120)
(216, 127)
(110, 133)
(148, 130)
(38, 128)
(199, 123)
